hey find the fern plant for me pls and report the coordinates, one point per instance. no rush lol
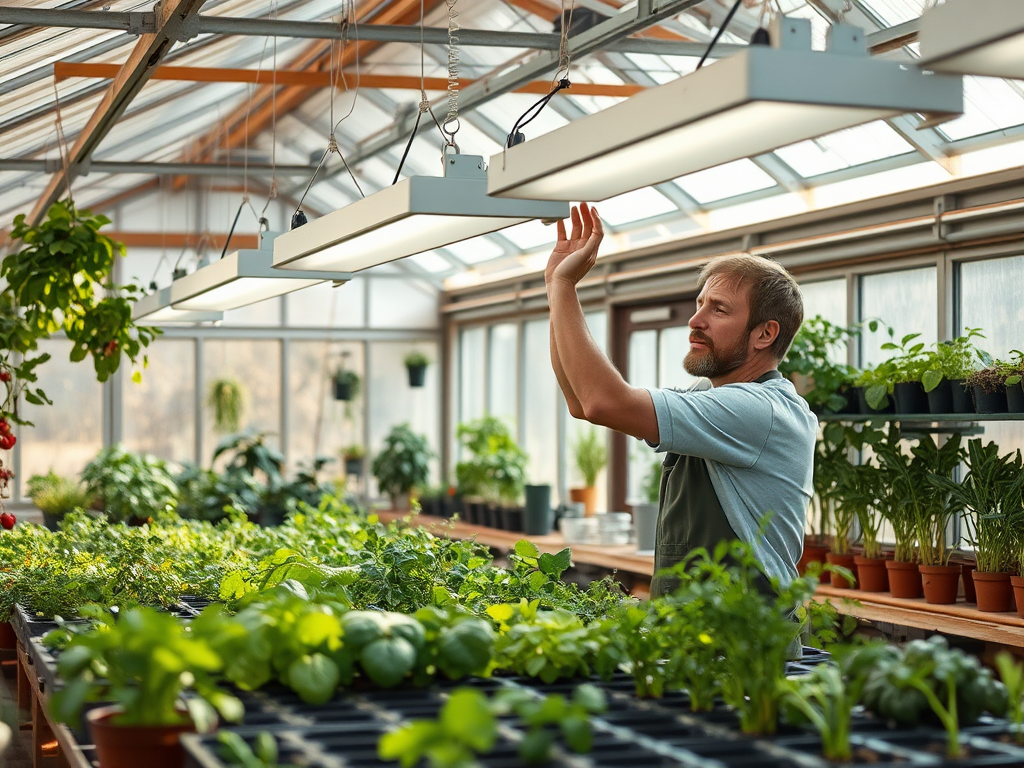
(226, 399)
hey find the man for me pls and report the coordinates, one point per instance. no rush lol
(740, 443)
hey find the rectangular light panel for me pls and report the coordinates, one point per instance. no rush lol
(974, 37)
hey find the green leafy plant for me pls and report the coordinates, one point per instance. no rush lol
(826, 701)
(416, 359)
(590, 454)
(927, 675)
(812, 356)
(1011, 673)
(130, 485)
(652, 483)
(143, 662)
(991, 494)
(403, 463)
(236, 751)
(61, 280)
(226, 399)
(353, 453)
(954, 360)
(57, 495)
(541, 714)
(349, 380)
(496, 467)
(1013, 369)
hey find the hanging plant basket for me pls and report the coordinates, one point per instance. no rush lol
(346, 385)
(417, 375)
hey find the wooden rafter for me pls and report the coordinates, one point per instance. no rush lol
(172, 16)
(308, 79)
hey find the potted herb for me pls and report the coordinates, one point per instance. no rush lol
(946, 369)
(416, 364)
(402, 465)
(1013, 369)
(591, 456)
(347, 385)
(990, 493)
(903, 373)
(645, 512)
(898, 480)
(872, 575)
(353, 457)
(130, 487)
(829, 455)
(55, 496)
(873, 391)
(934, 510)
(226, 399)
(989, 388)
(493, 473)
(142, 663)
(810, 364)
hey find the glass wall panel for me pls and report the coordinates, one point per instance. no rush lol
(69, 433)
(404, 303)
(503, 374)
(265, 314)
(990, 299)
(257, 365)
(324, 306)
(673, 345)
(542, 400)
(643, 372)
(597, 323)
(828, 299)
(159, 413)
(319, 425)
(391, 401)
(907, 301)
(472, 343)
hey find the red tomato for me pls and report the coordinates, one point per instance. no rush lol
(7, 520)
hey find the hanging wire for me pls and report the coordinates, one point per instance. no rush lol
(272, 192)
(452, 118)
(718, 34)
(62, 144)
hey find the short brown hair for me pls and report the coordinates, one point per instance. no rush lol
(774, 294)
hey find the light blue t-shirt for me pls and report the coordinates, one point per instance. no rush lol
(758, 443)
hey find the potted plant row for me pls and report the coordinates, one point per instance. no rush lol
(492, 476)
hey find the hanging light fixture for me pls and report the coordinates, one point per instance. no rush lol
(747, 104)
(156, 309)
(242, 278)
(415, 215)
(974, 37)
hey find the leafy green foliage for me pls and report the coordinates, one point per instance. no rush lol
(496, 470)
(590, 453)
(143, 662)
(813, 355)
(226, 398)
(403, 463)
(130, 484)
(652, 482)
(1011, 673)
(415, 359)
(825, 700)
(235, 751)
(954, 360)
(57, 495)
(60, 280)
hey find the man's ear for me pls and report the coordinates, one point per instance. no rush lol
(765, 334)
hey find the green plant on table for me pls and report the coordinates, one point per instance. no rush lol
(143, 662)
(934, 505)
(1011, 673)
(57, 495)
(641, 631)
(226, 398)
(990, 493)
(1012, 369)
(692, 662)
(954, 360)
(927, 676)
(825, 700)
(590, 454)
(496, 467)
(403, 463)
(130, 485)
(813, 355)
(652, 483)
(236, 751)
(540, 714)
(990, 379)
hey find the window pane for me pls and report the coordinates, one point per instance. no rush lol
(503, 373)
(324, 306)
(265, 314)
(392, 401)
(540, 419)
(257, 365)
(471, 373)
(69, 433)
(403, 303)
(828, 299)
(990, 300)
(319, 425)
(907, 301)
(643, 372)
(673, 346)
(159, 414)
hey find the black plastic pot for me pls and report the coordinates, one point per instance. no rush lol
(417, 375)
(940, 399)
(471, 511)
(1015, 398)
(493, 516)
(51, 520)
(852, 407)
(430, 506)
(353, 466)
(866, 409)
(512, 518)
(910, 397)
(990, 402)
(342, 390)
(537, 520)
(962, 400)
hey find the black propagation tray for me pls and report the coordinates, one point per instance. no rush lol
(633, 733)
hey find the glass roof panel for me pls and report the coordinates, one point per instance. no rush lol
(505, 110)
(635, 206)
(431, 262)
(989, 105)
(843, 149)
(476, 250)
(531, 234)
(893, 12)
(729, 180)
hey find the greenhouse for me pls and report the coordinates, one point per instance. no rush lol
(451, 384)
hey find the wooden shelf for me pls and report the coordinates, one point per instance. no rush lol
(924, 418)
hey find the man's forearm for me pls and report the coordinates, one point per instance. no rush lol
(575, 409)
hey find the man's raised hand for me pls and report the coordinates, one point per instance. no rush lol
(574, 256)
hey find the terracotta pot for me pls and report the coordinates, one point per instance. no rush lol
(129, 746)
(995, 592)
(846, 561)
(587, 495)
(814, 553)
(8, 640)
(941, 583)
(871, 574)
(1018, 593)
(967, 577)
(904, 579)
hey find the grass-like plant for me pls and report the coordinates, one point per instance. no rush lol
(591, 455)
(226, 399)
